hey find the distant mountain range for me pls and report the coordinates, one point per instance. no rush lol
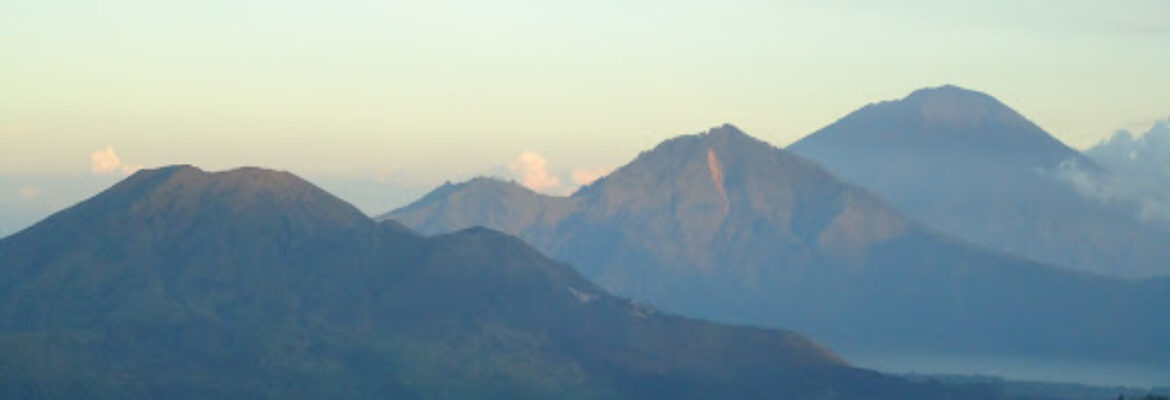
(962, 162)
(941, 223)
(721, 225)
(178, 283)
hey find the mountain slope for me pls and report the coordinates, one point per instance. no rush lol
(720, 225)
(177, 283)
(964, 163)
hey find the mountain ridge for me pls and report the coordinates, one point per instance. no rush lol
(948, 116)
(269, 289)
(775, 239)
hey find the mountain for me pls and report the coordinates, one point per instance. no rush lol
(250, 283)
(723, 226)
(966, 164)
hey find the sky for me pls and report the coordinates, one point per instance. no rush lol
(379, 101)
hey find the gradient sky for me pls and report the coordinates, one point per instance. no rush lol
(408, 95)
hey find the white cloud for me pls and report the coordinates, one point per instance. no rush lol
(1149, 199)
(106, 161)
(531, 169)
(585, 176)
(1138, 174)
(29, 192)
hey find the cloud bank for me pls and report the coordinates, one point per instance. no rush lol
(1138, 175)
(532, 170)
(106, 161)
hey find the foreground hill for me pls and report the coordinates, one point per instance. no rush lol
(178, 283)
(720, 225)
(965, 163)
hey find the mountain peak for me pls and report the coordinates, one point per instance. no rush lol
(490, 183)
(968, 165)
(722, 153)
(725, 137)
(946, 122)
(480, 187)
(244, 184)
(952, 105)
(724, 131)
(173, 199)
(509, 204)
(243, 178)
(722, 141)
(948, 91)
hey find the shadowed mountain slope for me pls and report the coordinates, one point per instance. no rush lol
(962, 162)
(720, 225)
(178, 283)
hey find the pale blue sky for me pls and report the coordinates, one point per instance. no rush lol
(410, 94)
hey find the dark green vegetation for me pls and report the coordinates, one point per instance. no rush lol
(177, 283)
(962, 162)
(722, 226)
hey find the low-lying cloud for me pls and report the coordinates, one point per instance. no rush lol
(531, 170)
(106, 161)
(1137, 176)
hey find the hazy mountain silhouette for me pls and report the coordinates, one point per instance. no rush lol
(177, 283)
(720, 225)
(962, 162)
